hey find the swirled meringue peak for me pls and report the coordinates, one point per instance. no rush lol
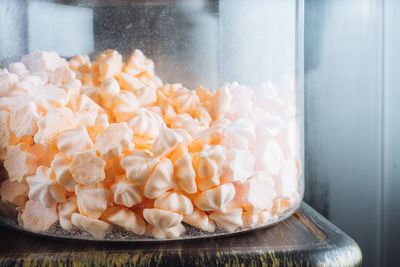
(184, 172)
(126, 219)
(160, 180)
(92, 201)
(126, 193)
(216, 199)
(162, 219)
(138, 165)
(174, 201)
(74, 140)
(145, 123)
(168, 139)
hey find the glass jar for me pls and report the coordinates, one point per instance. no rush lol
(144, 120)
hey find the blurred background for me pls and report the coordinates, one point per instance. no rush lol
(352, 83)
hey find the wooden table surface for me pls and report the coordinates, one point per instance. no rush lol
(306, 238)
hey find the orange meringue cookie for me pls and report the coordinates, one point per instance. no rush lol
(220, 104)
(129, 82)
(74, 140)
(114, 140)
(269, 157)
(95, 227)
(50, 96)
(43, 61)
(126, 219)
(86, 110)
(108, 89)
(185, 101)
(63, 75)
(186, 122)
(109, 64)
(44, 189)
(200, 220)
(168, 139)
(145, 123)
(125, 105)
(228, 221)
(60, 166)
(19, 162)
(37, 218)
(80, 63)
(240, 134)
(174, 201)
(184, 172)
(204, 94)
(287, 182)
(87, 167)
(208, 165)
(126, 193)
(15, 193)
(239, 165)
(160, 180)
(202, 115)
(4, 133)
(23, 116)
(211, 136)
(7, 82)
(138, 166)
(172, 232)
(92, 201)
(138, 63)
(65, 211)
(162, 219)
(255, 219)
(19, 69)
(215, 199)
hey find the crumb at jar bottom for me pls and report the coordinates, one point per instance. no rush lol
(105, 150)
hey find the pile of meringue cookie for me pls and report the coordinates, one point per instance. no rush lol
(101, 145)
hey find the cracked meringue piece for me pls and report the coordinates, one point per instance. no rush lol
(138, 166)
(19, 162)
(80, 63)
(162, 219)
(215, 199)
(23, 116)
(92, 201)
(56, 121)
(185, 101)
(126, 193)
(15, 193)
(95, 227)
(60, 166)
(168, 139)
(108, 89)
(87, 168)
(74, 140)
(125, 105)
(174, 201)
(65, 211)
(208, 165)
(239, 165)
(269, 157)
(228, 221)
(257, 193)
(172, 232)
(145, 123)
(160, 180)
(37, 218)
(114, 140)
(43, 61)
(109, 64)
(184, 173)
(126, 219)
(44, 189)
(200, 220)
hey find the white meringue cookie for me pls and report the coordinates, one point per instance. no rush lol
(37, 218)
(202, 115)
(160, 180)
(146, 95)
(86, 110)
(125, 104)
(215, 199)
(145, 123)
(126, 193)
(287, 182)
(74, 140)
(92, 201)
(80, 63)
(129, 82)
(19, 69)
(43, 189)
(138, 166)
(289, 138)
(184, 172)
(109, 64)
(60, 166)
(87, 168)
(138, 63)
(257, 193)
(23, 115)
(211, 136)
(169, 139)
(269, 157)
(228, 221)
(65, 211)
(174, 201)
(97, 228)
(15, 193)
(56, 121)
(241, 103)
(50, 96)
(72, 90)
(108, 89)
(126, 219)
(43, 61)
(240, 134)
(205, 94)
(63, 75)
(185, 101)
(200, 220)
(172, 232)
(186, 122)
(220, 104)
(19, 162)
(208, 165)
(163, 219)
(151, 81)
(114, 140)
(239, 165)
(7, 82)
